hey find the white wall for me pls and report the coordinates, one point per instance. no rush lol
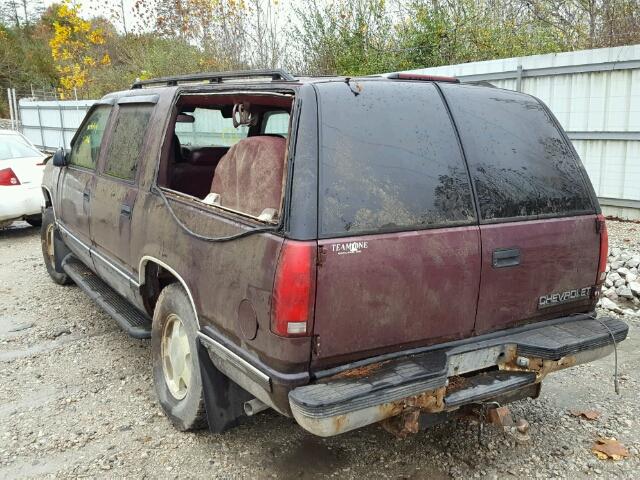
(51, 124)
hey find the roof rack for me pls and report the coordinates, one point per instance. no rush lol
(421, 77)
(215, 77)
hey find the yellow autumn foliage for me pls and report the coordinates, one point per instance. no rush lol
(76, 48)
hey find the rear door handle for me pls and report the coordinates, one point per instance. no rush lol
(86, 195)
(506, 257)
(125, 210)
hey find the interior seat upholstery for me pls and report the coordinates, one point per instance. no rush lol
(249, 177)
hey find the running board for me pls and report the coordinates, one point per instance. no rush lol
(128, 317)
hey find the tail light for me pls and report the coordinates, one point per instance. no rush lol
(601, 227)
(294, 290)
(8, 178)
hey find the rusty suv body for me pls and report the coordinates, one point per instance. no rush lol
(348, 248)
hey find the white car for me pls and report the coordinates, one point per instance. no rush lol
(21, 169)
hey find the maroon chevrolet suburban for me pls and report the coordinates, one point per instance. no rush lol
(342, 250)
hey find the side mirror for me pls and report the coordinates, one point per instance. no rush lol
(60, 158)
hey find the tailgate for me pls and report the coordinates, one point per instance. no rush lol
(557, 264)
(540, 237)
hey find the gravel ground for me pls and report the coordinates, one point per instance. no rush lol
(76, 400)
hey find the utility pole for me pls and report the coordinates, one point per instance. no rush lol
(26, 14)
(124, 18)
(16, 17)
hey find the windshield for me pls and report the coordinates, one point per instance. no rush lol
(13, 146)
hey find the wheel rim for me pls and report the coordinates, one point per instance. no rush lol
(176, 357)
(49, 243)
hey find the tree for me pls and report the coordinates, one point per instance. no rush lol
(60, 49)
(353, 37)
(147, 56)
(77, 48)
(20, 13)
(450, 32)
(591, 23)
(266, 42)
(217, 27)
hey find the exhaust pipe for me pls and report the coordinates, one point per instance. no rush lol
(254, 406)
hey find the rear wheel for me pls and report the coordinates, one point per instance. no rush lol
(34, 220)
(176, 372)
(47, 235)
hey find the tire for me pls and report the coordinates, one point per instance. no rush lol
(178, 383)
(34, 220)
(47, 233)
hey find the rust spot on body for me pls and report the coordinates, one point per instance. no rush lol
(360, 372)
(541, 367)
(456, 383)
(339, 423)
(405, 413)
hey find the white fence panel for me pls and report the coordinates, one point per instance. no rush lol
(52, 124)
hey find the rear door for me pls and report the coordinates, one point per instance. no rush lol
(116, 191)
(399, 242)
(540, 247)
(77, 182)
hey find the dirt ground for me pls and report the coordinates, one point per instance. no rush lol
(76, 401)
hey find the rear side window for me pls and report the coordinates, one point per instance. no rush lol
(126, 141)
(86, 147)
(520, 164)
(14, 146)
(389, 160)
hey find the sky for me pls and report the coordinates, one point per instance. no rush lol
(96, 8)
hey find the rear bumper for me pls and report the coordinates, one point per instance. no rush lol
(20, 201)
(430, 381)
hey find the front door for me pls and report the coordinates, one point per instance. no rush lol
(77, 183)
(115, 194)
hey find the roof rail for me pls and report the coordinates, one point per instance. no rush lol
(215, 77)
(421, 77)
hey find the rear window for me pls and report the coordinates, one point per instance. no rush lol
(520, 164)
(389, 160)
(14, 146)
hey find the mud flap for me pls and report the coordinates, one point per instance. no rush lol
(223, 399)
(62, 252)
